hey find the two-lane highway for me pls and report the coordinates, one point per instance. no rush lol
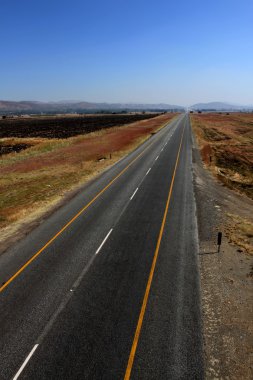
(108, 286)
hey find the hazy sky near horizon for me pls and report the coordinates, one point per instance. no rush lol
(177, 52)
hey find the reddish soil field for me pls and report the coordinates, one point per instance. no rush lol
(89, 149)
(226, 143)
(64, 127)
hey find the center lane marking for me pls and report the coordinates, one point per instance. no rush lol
(103, 242)
(134, 193)
(148, 171)
(157, 158)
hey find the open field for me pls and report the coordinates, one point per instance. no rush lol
(226, 144)
(64, 126)
(37, 178)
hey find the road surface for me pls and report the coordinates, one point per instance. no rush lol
(108, 286)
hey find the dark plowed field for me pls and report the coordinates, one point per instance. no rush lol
(5, 149)
(64, 127)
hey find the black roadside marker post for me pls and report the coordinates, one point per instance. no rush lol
(219, 240)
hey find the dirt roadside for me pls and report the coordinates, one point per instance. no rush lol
(226, 278)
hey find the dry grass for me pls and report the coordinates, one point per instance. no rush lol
(226, 145)
(240, 232)
(37, 178)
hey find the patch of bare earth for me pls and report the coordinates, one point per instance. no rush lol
(226, 277)
(37, 179)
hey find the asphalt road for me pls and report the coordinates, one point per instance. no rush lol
(108, 286)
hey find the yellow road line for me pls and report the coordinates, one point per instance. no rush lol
(74, 218)
(146, 295)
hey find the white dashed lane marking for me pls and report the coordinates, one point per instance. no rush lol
(25, 362)
(134, 193)
(103, 242)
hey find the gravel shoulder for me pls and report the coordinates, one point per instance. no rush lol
(226, 277)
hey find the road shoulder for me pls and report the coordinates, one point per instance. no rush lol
(226, 278)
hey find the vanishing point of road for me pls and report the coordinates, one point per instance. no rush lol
(108, 286)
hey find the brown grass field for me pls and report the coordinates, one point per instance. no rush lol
(226, 145)
(37, 178)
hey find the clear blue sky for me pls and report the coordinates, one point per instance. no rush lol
(179, 52)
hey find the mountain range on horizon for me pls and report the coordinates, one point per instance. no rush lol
(79, 106)
(219, 106)
(72, 106)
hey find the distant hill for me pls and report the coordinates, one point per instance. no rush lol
(30, 107)
(219, 106)
(72, 106)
